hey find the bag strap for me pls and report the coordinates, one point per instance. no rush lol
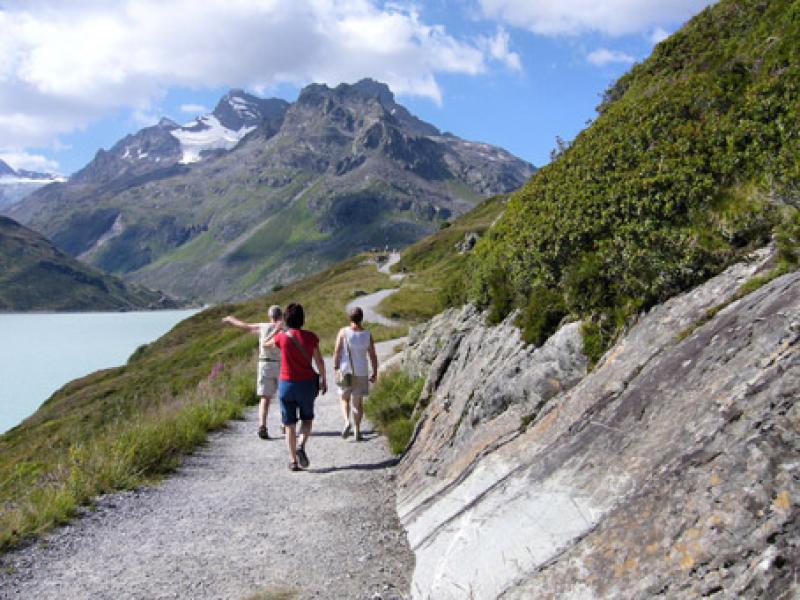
(349, 355)
(300, 347)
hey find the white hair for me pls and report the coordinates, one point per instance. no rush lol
(275, 312)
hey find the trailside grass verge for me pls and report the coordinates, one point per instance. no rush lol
(127, 454)
(390, 407)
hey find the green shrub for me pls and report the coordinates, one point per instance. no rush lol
(390, 407)
(541, 316)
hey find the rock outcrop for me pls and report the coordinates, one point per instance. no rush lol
(672, 469)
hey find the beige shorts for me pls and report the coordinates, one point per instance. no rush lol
(360, 387)
(267, 382)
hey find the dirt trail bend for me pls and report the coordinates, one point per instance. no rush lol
(234, 522)
(370, 302)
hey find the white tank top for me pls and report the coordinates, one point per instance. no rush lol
(359, 346)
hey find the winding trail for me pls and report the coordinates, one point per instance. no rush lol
(233, 522)
(369, 302)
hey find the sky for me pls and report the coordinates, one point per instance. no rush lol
(78, 76)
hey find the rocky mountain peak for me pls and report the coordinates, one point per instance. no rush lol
(167, 123)
(360, 94)
(5, 169)
(238, 109)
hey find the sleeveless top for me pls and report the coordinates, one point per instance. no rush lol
(359, 345)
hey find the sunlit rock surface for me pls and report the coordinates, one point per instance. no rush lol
(670, 470)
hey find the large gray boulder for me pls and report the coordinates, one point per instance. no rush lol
(670, 470)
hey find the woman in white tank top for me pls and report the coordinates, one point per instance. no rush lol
(353, 345)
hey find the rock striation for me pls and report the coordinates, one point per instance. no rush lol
(672, 469)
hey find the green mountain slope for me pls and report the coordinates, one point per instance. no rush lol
(34, 275)
(691, 162)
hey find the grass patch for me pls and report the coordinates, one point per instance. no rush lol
(126, 454)
(390, 407)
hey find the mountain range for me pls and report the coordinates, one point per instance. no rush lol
(263, 191)
(16, 184)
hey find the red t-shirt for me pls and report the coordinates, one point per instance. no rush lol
(295, 366)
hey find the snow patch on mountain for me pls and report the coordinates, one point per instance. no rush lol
(13, 188)
(206, 133)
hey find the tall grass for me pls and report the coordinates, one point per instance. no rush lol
(127, 453)
(390, 407)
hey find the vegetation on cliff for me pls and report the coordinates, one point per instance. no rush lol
(691, 162)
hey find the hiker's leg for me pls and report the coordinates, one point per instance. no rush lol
(346, 405)
(358, 412)
(306, 407)
(291, 441)
(305, 431)
(263, 408)
(288, 416)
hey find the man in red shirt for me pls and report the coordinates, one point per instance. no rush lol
(298, 381)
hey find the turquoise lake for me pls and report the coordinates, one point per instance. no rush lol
(41, 352)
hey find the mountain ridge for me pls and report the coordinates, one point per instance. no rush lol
(343, 169)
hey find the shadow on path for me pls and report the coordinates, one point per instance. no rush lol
(385, 464)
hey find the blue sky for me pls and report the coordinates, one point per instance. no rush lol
(79, 76)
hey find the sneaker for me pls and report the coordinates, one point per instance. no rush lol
(346, 431)
(302, 457)
(293, 467)
(262, 433)
(359, 437)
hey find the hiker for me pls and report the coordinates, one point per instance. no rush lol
(269, 361)
(353, 344)
(298, 384)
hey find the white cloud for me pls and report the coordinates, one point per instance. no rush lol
(63, 65)
(498, 49)
(31, 162)
(604, 56)
(572, 17)
(194, 109)
(659, 34)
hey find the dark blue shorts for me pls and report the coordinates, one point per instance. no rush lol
(296, 397)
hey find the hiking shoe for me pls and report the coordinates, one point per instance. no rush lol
(262, 433)
(346, 431)
(302, 457)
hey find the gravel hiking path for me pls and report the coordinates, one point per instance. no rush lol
(370, 302)
(234, 523)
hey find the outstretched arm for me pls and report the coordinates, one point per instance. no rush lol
(373, 358)
(251, 327)
(321, 369)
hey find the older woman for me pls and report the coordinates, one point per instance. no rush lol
(269, 361)
(297, 384)
(353, 345)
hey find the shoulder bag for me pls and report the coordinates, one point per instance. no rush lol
(346, 379)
